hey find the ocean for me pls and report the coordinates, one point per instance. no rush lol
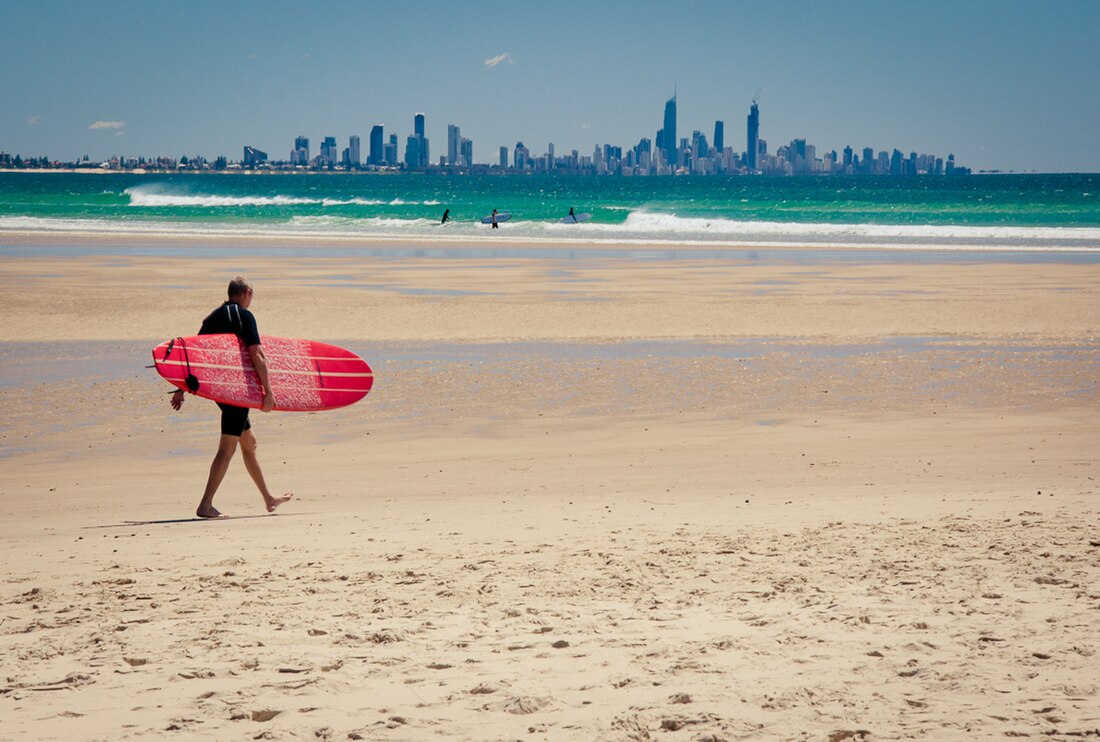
(990, 213)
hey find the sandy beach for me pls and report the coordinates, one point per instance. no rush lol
(589, 498)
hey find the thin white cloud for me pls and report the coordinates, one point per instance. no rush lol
(108, 125)
(492, 62)
(33, 120)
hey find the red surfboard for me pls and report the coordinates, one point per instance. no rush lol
(305, 375)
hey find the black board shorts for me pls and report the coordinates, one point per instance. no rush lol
(234, 419)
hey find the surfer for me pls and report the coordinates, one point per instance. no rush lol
(446, 214)
(495, 225)
(572, 215)
(233, 317)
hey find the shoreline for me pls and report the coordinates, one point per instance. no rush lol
(69, 240)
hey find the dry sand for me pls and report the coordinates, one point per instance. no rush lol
(588, 499)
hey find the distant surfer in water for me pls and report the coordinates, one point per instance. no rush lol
(572, 215)
(446, 214)
(495, 225)
(233, 317)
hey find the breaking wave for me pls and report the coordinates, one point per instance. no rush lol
(639, 228)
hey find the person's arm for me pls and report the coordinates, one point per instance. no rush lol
(259, 362)
(177, 399)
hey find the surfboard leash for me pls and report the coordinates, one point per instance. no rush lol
(191, 380)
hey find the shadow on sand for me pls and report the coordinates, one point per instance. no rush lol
(173, 521)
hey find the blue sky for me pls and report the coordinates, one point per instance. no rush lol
(1001, 83)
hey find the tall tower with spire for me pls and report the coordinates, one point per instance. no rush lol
(753, 136)
(669, 142)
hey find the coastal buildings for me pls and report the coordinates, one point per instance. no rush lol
(666, 136)
(352, 158)
(753, 136)
(377, 148)
(666, 154)
(253, 157)
(300, 154)
(453, 144)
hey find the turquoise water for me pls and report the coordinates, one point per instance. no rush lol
(994, 212)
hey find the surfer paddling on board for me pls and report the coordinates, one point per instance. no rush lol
(233, 317)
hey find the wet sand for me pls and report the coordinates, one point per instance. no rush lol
(587, 499)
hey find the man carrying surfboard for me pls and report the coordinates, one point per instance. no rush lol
(233, 317)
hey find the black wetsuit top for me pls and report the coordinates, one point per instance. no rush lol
(233, 319)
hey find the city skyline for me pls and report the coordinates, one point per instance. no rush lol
(1000, 84)
(665, 154)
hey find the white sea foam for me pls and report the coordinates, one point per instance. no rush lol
(643, 222)
(156, 197)
(152, 196)
(351, 202)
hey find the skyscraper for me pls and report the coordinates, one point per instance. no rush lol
(328, 152)
(753, 136)
(668, 134)
(300, 155)
(520, 157)
(377, 148)
(719, 136)
(353, 151)
(454, 144)
(412, 152)
(423, 156)
(390, 151)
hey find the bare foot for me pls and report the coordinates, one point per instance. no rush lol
(210, 512)
(274, 502)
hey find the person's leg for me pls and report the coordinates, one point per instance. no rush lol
(227, 446)
(248, 453)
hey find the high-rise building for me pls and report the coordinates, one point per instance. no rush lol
(467, 147)
(520, 157)
(300, 154)
(423, 155)
(377, 149)
(719, 135)
(668, 133)
(253, 157)
(353, 151)
(753, 135)
(412, 152)
(391, 151)
(328, 152)
(895, 162)
(454, 144)
(504, 157)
